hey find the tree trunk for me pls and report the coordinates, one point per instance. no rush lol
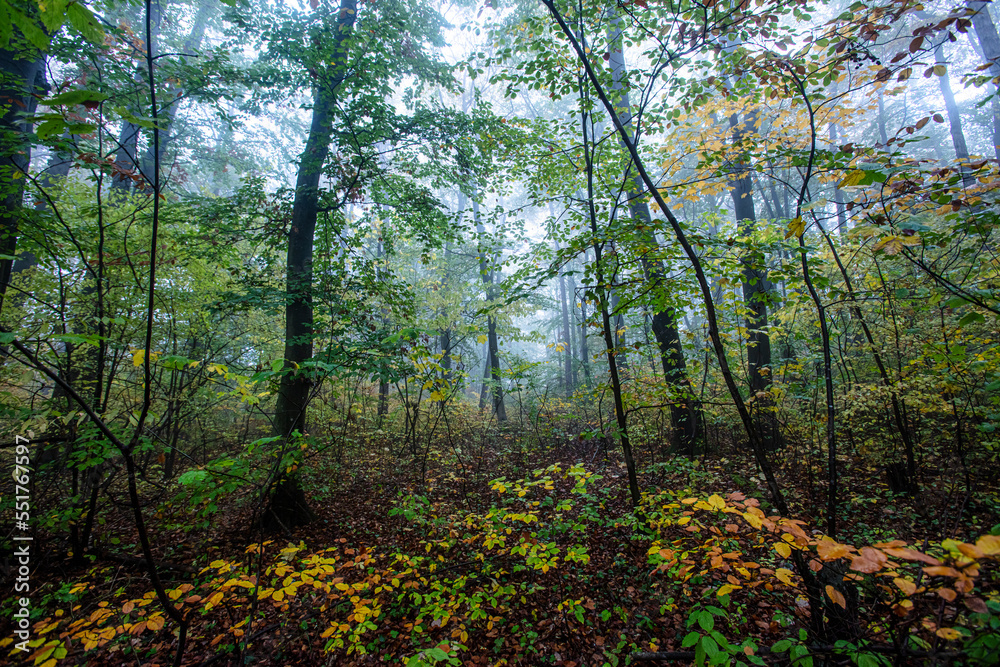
(287, 503)
(583, 347)
(755, 287)
(685, 413)
(954, 117)
(988, 47)
(492, 357)
(569, 372)
(22, 80)
(174, 93)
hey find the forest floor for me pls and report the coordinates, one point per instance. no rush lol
(498, 547)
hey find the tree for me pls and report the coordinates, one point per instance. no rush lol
(288, 506)
(22, 81)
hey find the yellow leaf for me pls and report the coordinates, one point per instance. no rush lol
(213, 600)
(154, 623)
(783, 549)
(482, 339)
(853, 178)
(948, 634)
(784, 576)
(989, 544)
(278, 595)
(727, 589)
(908, 587)
(716, 501)
(796, 228)
(753, 520)
(138, 357)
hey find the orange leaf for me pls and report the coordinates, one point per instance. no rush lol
(989, 544)
(905, 585)
(871, 560)
(971, 550)
(890, 545)
(830, 550)
(836, 596)
(128, 607)
(947, 594)
(910, 554)
(942, 571)
(154, 623)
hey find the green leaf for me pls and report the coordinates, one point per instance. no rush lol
(711, 648)
(971, 318)
(781, 646)
(29, 28)
(706, 620)
(192, 477)
(436, 653)
(690, 640)
(867, 660)
(83, 21)
(6, 338)
(71, 97)
(52, 13)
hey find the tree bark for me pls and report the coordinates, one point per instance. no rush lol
(584, 351)
(988, 46)
(22, 78)
(685, 413)
(569, 371)
(193, 42)
(288, 506)
(493, 359)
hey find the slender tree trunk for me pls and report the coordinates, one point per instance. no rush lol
(206, 9)
(493, 359)
(569, 371)
(584, 348)
(609, 328)
(685, 412)
(838, 194)
(882, 134)
(954, 117)
(287, 502)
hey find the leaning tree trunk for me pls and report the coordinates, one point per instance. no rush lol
(685, 410)
(287, 505)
